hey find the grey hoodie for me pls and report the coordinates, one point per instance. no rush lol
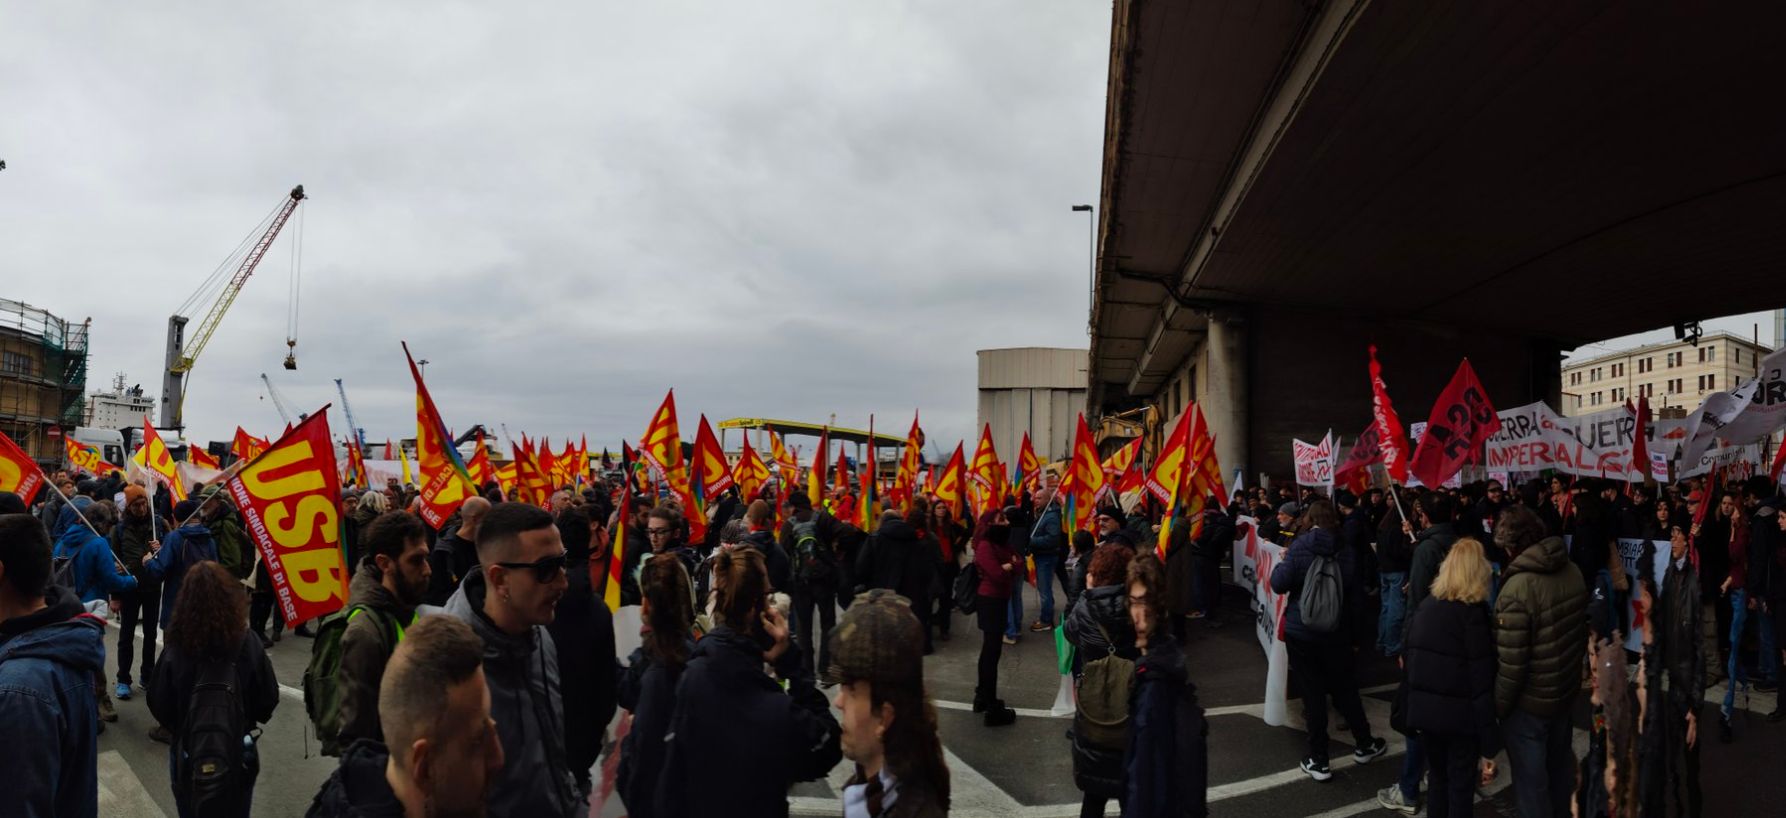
(522, 672)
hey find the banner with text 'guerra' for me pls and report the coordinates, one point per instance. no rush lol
(290, 499)
(1534, 437)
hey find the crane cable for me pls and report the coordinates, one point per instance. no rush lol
(297, 275)
(213, 285)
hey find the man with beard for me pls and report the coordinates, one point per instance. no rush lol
(382, 599)
(434, 704)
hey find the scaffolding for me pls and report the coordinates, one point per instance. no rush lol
(43, 377)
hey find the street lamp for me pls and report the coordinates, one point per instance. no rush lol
(1092, 255)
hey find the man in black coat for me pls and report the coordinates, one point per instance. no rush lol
(583, 630)
(900, 562)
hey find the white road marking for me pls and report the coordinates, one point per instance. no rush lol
(121, 793)
(1026, 712)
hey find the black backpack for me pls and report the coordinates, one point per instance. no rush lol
(1323, 598)
(812, 559)
(967, 589)
(211, 772)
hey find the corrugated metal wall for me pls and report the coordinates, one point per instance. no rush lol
(1035, 390)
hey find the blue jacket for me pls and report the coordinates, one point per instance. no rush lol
(66, 518)
(48, 661)
(189, 545)
(1286, 579)
(95, 571)
(1046, 538)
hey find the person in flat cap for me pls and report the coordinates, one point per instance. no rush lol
(889, 724)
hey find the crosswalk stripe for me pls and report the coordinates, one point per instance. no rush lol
(121, 793)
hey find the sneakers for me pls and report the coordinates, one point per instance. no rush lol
(1010, 640)
(1371, 752)
(1391, 798)
(122, 691)
(1000, 716)
(1317, 769)
(1040, 626)
(983, 705)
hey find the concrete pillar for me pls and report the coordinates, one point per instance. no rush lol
(1225, 400)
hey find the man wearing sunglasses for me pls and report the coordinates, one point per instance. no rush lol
(508, 602)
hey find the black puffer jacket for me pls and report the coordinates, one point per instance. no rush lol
(648, 690)
(1097, 771)
(1451, 673)
(1541, 631)
(737, 741)
(899, 561)
(357, 788)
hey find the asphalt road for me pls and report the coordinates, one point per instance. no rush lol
(1021, 770)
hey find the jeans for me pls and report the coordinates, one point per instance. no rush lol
(1014, 610)
(141, 605)
(1322, 669)
(810, 599)
(1452, 789)
(1395, 606)
(1413, 766)
(1541, 761)
(1764, 660)
(1045, 575)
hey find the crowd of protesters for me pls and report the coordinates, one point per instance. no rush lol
(1507, 613)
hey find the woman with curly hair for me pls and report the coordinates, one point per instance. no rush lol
(208, 641)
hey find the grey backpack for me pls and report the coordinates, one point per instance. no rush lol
(1323, 595)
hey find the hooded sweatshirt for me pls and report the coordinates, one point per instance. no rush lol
(189, 545)
(48, 661)
(357, 788)
(95, 570)
(366, 646)
(525, 701)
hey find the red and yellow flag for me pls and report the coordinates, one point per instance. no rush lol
(356, 466)
(951, 483)
(201, 458)
(710, 463)
(662, 444)
(19, 474)
(548, 464)
(247, 446)
(1084, 479)
(88, 458)
(905, 480)
(784, 459)
(530, 481)
(751, 472)
(617, 550)
(479, 469)
(154, 458)
(815, 478)
(1029, 467)
(290, 500)
(445, 482)
(508, 477)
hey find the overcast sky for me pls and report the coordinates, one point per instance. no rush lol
(781, 209)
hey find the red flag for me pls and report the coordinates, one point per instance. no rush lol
(1779, 462)
(1640, 444)
(1367, 451)
(19, 474)
(1461, 421)
(1390, 435)
(710, 463)
(290, 501)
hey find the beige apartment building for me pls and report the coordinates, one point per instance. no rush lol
(1673, 375)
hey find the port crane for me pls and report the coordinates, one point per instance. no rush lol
(353, 425)
(279, 401)
(219, 292)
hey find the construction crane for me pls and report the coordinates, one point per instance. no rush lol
(359, 434)
(279, 401)
(220, 293)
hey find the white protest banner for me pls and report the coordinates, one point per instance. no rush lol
(1253, 560)
(1534, 438)
(1416, 431)
(1630, 551)
(1744, 414)
(1721, 457)
(1314, 462)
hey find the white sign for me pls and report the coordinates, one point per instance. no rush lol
(1314, 462)
(1721, 457)
(1253, 560)
(1534, 437)
(1747, 413)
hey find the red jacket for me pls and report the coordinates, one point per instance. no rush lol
(991, 558)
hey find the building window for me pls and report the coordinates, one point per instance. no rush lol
(1738, 352)
(1577, 401)
(1594, 399)
(1618, 395)
(1646, 390)
(1674, 386)
(1645, 365)
(14, 363)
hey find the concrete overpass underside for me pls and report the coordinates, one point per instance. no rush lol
(1286, 182)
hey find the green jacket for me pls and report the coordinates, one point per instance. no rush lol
(234, 549)
(1541, 631)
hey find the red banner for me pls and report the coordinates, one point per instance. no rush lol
(247, 446)
(1389, 426)
(19, 474)
(290, 499)
(1461, 421)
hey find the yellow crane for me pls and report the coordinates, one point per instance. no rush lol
(183, 352)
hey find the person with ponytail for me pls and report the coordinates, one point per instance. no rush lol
(737, 740)
(888, 721)
(648, 683)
